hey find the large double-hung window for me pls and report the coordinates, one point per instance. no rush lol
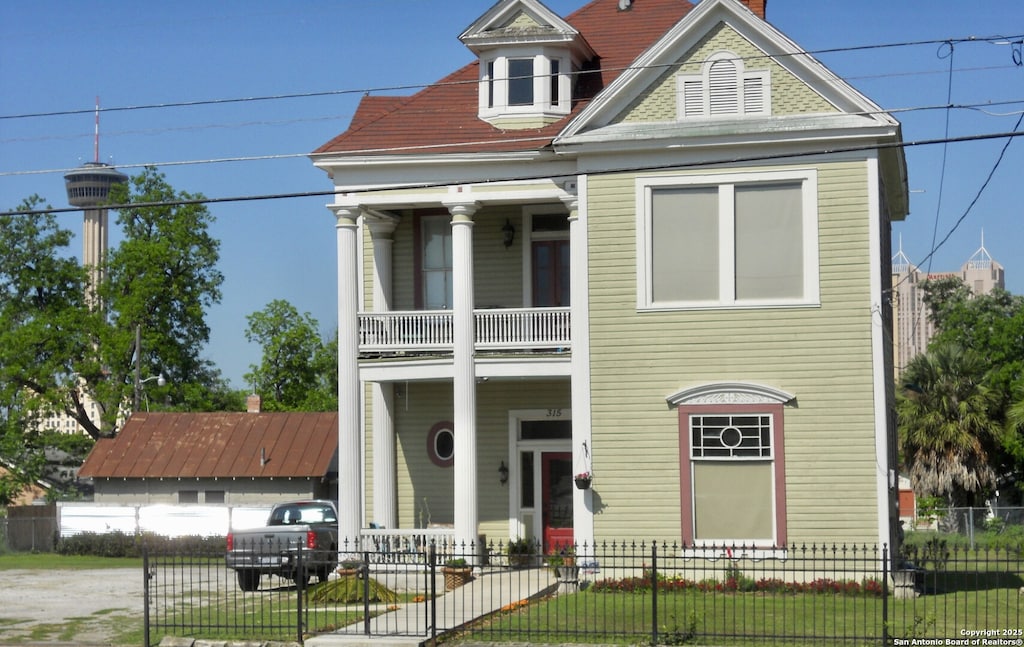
(742, 239)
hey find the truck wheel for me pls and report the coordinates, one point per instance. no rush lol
(301, 579)
(248, 580)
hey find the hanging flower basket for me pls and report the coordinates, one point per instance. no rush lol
(583, 480)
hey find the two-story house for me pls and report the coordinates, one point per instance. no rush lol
(647, 242)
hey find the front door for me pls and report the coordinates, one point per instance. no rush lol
(556, 500)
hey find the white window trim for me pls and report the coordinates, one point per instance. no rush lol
(809, 205)
(703, 81)
(527, 236)
(542, 101)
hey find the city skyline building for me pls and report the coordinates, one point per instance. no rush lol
(912, 326)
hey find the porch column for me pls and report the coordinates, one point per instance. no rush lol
(384, 478)
(350, 485)
(579, 286)
(464, 381)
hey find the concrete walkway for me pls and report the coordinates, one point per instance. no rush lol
(491, 589)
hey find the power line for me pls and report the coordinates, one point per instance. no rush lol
(977, 196)
(979, 107)
(525, 178)
(407, 149)
(421, 86)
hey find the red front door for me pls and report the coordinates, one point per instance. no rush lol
(556, 499)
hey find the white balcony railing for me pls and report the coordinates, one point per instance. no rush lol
(496, 329)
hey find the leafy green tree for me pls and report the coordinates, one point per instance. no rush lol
(298, 369)
(947, 435)
(992, 326)
(59, 348)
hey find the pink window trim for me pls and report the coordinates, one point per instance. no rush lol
(686, 471)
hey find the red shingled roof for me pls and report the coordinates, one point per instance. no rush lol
(217, 445)
(439, 118)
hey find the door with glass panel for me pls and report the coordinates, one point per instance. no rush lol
(544, 501)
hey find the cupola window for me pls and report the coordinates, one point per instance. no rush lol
(528, 56)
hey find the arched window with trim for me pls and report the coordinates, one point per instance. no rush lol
(732, 457)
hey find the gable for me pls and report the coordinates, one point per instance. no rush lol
(516, 22)
(803, 92)
(660, 102)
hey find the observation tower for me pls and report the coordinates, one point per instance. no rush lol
(89, 187)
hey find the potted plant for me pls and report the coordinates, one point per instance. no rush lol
(520, 552)
(348, 568)
(563, 563)
(456, 573)
(583, 480)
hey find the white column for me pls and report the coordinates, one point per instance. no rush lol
(385, 511)
(464, 382)
(579, 286)
(350, 486)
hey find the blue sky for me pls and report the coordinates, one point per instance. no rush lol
(58, 55)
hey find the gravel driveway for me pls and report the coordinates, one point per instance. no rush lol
(70, 607)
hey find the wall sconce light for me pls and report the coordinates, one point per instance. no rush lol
(503, 473)
(508, 233)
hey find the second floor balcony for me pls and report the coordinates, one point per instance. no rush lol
(496, 329)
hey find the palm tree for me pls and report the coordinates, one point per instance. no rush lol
(1013, 441)
(947, 432)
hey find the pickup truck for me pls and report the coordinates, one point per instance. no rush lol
(299, 540)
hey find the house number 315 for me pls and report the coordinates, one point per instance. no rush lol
(554, 413)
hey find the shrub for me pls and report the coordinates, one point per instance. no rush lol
(121, 544)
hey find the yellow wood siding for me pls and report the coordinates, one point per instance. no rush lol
(523, 20)
(820, 354)
(789, 95)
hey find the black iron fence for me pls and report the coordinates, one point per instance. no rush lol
(622, 592)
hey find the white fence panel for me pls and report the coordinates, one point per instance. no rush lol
(163, 519)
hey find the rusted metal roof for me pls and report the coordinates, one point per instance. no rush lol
(218, 445)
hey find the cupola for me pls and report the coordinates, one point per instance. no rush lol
(529, 58)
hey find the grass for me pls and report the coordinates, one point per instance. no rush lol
(954, 601)
(271, 614)
(52, 561)
(122, 628)
(737, 618)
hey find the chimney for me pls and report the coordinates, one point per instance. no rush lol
(757, 6)
(253, 403)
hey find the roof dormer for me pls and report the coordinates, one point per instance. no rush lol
(528, 60)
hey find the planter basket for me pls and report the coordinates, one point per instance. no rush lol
(583, 483)
(569, 573)
(456, 577)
